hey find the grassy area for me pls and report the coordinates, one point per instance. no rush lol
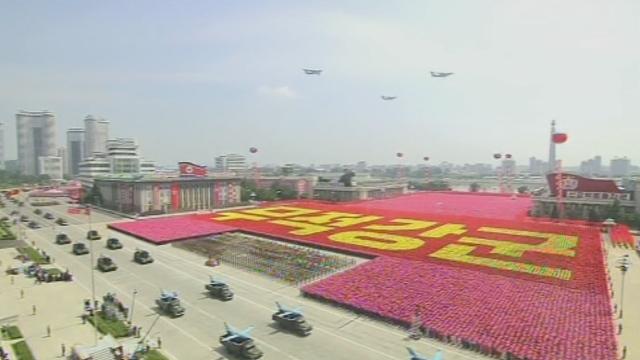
(154, 355)
(5, 231)
(22, 351)
(11, 332)
(33, 254)
(116, 328)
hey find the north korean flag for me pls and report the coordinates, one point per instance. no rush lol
(191, 169)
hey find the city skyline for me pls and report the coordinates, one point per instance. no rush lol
(194, 82)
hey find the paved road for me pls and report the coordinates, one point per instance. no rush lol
(337, 334)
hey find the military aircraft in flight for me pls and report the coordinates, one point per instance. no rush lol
(312, 71)
(386, 98)
(417, 356)
(440, 74)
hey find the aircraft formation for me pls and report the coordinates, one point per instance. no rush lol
(434, 74)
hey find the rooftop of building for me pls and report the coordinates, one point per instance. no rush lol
(157, 178)
(32, 113)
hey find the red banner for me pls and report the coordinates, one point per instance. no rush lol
(175, 196)
(191, 169)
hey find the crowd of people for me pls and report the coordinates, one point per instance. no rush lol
(291, 263)
(3, 354)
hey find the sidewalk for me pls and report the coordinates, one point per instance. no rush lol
(631, 313)
(58, 305)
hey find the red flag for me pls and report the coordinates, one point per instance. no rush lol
(191, 169)
(74, 210)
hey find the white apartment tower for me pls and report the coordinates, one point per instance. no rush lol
(231, 162)
(96, 133)
(36, 137)
(123, 156)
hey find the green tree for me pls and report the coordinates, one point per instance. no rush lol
(94, 196)
(554, 212)
(593, 215)
(523, 189)
(614, 211)
(474, 187)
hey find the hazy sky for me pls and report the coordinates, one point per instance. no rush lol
(194, 79)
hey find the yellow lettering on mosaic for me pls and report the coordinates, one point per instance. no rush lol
(444, 230)
(405, 225)
(337, 219)
(460, 253)
(556, 244)
(227, 216)
(280, 211)
(377, 240)
(303, 228)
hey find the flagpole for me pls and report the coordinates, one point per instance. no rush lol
(93, 283)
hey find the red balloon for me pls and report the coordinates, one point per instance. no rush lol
(497, 156)
(399, 154)
(253, 150)
(426, 158)
(508, 156)
(559, 138)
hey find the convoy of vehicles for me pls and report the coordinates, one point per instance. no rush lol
(236, 343)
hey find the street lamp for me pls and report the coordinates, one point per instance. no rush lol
(133, 303)
(623, 264)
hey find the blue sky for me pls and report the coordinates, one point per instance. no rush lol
(194, 79)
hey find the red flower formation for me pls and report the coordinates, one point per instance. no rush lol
(529, 319)
(620, 236)
(163, 230)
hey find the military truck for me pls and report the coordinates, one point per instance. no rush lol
(62, 239)
(169, 303)
(219, 289)
(106, 264)
(292, 320)
(113, 244)
(79, 249)
(240, 344)
(142, 257)
(93, 235)
(62, 222)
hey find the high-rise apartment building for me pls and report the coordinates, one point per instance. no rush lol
(123, 156)
(35, 138)
(96, 133)
(51, 166)
(620, 167)
(537, 166)
(75, 150)
(231, 162)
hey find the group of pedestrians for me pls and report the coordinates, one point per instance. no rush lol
(3, 354)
